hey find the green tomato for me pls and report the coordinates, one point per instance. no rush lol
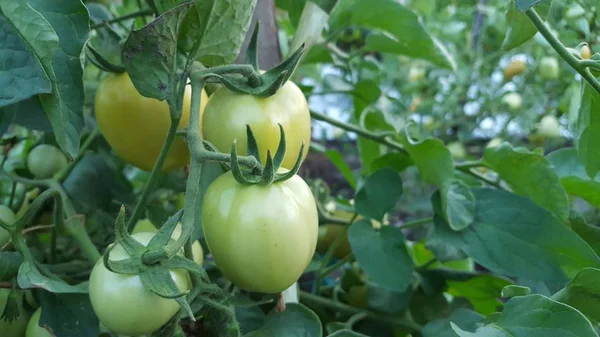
(145, 225)
(457, 150)
(7, 216)
(549, 127)
(513, 101)
(227, 113)
(15, 328)
(416, 74)
(33, 327)
(261, 237)
(44, 161)
(121, 302)
(549, 69)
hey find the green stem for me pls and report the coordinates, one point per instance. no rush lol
(318, 301)
(417, 223)
(383, 139)
(247, 161)
(13, 190)
(561, 49)
(480, 177)
(595, 64)
(335, 266)
(156, 171)
(428, 263)
(144, 12)
(64, 173)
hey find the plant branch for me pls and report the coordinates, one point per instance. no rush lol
(417, 223)
(60, 176)
(318, 301)
(348, 258)
(561, 49)
(143, 12)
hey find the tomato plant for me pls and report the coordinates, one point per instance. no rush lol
(45, 160)
(14, 327)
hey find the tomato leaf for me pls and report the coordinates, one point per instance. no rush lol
(296, 320)
(524, 5)
(154, 47)
(466, 319)
(379, 194)
(514, 290)
(583, 293)
(382, 254)
(9, 265)
(346, 333)
(68, 315)
(482, 291)
(513, 236)
(534, 315)
(587, 135)
(589, 233)
(30, 277)
(428, 307)
(338, 160)
(398, 161)
(573, 176)
(520, 28)
(529, 174)
(388, 301)
(460, 205)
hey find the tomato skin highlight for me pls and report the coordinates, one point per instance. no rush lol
(227, 113)
(14, 328)
(261, 237)
(45, 160)
(136, 126)
(33, 327)
(121, 302)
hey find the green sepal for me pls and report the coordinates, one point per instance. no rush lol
(11, 310)
(122, 237)
(159, 281)
(128, 266)
(180, 262)
(285, 176)
(268, 171)
(252, 144)
(164, 234)
(236, 169)
(280, 154)
(252, 50)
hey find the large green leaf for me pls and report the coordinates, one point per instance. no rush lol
(573, 176)
(482, 291)
(467, 320)
(379, 42)
(589, 233)
(583, 293)
(296, 321)
(520, 28)
(529, 174)
(513, 236)
(382, 254)
(397, 20)
(56, 32)
(69, 315)
(588, 130)
(534, 316)
(379, 194)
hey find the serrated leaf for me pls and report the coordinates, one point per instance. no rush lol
(296, 321)
(221, 26)
(23, 34)
(529, 174)
(482, 291)
(154, 47)
(513, 236)
(583, 293)
(534, 316)
(587, 135)
(382, 254)
(68, 315)
(520, 28)
(379, 194)
(465, 319)
(30, 277)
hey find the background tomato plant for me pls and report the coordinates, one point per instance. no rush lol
(453, 158)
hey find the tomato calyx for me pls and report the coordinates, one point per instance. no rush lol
(269, 174)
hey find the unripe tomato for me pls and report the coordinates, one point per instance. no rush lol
(327, 236)
(8, 217)
(513, 101)
(121, 302)
(515, 68)
(145, 225)
(494, 142)
(358, 296)
(33, 327)
(549, 68)
(136, 126)
(261, 237)
(227, 113)
(549, 127)
(15, 328)
(585, 52)
(416, 74)
(45, 160)
(457, 150)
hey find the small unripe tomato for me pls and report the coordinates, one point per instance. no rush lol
(33, 327)
(15, 328)
(549, 69)
(494, 142)
(515, 68)
(513, 101)
(415, 103)
(416, 73)
(122, 303)
(145, 225)
(45, 160)
(457, 150)
(261, 237)
(136, 126)
(8, 217)
(549, 126)
(585, 52)
(227, 113)
(328, 234)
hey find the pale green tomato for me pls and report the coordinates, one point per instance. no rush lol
(416, 73)
(121, 302)
(33, 327)
(457, 150)
(44, 161)
(262, 237)
(7, 216)
(15, 328)
(145, 225)
(549, 68)
(549, 127)
(513, 101)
